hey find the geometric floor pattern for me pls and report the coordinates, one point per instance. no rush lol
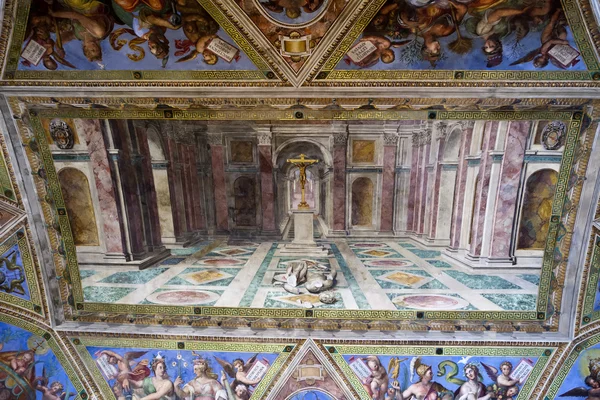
(382, 275)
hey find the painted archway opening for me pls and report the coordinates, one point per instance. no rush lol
(537, 209)
(80, 209)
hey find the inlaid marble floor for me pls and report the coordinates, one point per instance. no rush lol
(389, 275)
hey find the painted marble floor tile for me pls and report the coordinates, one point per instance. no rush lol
(220, 261)
(407, 245)
(98, 294)
(258, 278)
(481, 281)
(513, 302)
(188, 251)
(357, 293)
(205, 276)
(183, 297)
(439, 263)
(429, 302)
(172, 261)
(391, 279)
(86, 273)
(276, 299)
(531, 278)
(134, 277)
(425, 253)
(394, 263)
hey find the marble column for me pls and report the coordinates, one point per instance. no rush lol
(510, 180)
(267, 185)
(390, 145)
(130, 185)
(148, 184)
(91, 130)
(217, 155)
(186, 183)
(481, 196)
(340, 141)
(412, 190)
(461, 181)
(442, 128)
(174, 174)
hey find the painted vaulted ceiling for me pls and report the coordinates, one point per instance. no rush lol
(109, 75)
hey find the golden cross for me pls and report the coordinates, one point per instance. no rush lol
(302, 163)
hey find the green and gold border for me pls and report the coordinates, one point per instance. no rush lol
(284, 350)
(51, 339)
(589, 314)
(548, 285)
(543, 354)
(11, 71)
(34, 304)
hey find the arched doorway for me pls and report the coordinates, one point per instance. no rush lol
(537, 209)
(318, 184)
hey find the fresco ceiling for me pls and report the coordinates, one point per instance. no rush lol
(302, 42)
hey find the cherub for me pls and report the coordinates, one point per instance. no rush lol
(125, 363)
(238, 370)
(501, 378)
(377, 383)
(54, 392)
(593, 393)
(22, 363)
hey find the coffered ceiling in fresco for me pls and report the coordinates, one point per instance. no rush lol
(302, 42)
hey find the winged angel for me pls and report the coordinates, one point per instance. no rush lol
(239, 369)
(592, 392)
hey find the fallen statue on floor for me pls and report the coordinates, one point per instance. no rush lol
(315, 277)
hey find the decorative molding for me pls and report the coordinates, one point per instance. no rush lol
(214, 139)
(340, 138)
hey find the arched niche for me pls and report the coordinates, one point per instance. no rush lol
(80, 208)
(244, 191)
(155, 145)
(452, 145)
(362, 202)
(537, 209)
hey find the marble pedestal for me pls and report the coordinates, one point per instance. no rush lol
(304, 243)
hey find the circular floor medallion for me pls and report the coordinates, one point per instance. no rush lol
(388, 263)
(183, 297)
(430, 302)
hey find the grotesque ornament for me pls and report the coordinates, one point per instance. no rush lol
(62, 134)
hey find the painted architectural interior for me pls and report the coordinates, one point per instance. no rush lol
(299, 199)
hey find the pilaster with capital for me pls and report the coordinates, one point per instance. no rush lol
(441, 129)
(388, 190)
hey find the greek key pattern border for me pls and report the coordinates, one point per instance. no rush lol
(49, 337)
(589, 315)
(456, 77)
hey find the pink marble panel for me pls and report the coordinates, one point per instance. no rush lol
(461, 183)
(107, 200)
(412, 190)
(388, 189)
(425, 154)
(339, 187)
(220, 190)
(267, 187)
(199, 219)
(186, 181)
(483, 188)
(510, 176)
